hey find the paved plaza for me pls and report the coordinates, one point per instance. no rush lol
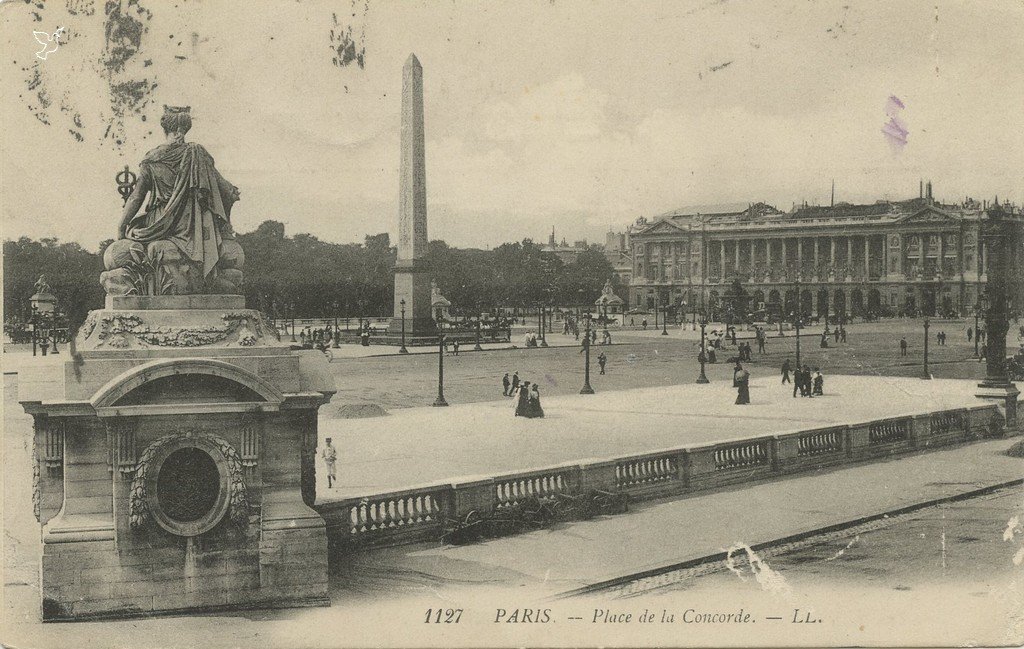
(474, 440)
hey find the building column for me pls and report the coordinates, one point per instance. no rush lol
(736, 255)
(799, 256)
(849, 256)
(815, 257)
(768, 254)
(867, 257)
(721, 272)
(784, 261)
(942, 254)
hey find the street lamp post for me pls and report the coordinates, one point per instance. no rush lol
(440, 402)
(977, 314)
(586, 389)
(664, 321)
(703, 378)
(402, 349)
(657, 307)
(291, 316)
(477, 347)
(542, 315)
(336, 344)
(925, 375)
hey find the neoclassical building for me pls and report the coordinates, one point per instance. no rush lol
(912, 256)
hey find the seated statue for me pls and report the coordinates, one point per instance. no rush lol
(182, 243)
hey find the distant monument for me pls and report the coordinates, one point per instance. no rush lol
(174, 453)
(412, 279)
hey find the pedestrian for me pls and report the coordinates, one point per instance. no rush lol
(593, 337)
(843, 334)
(522, 400)
(837, 334)
(330, 457)
(632, 322)
(515, 383)
(736, 374)
(505, 383)
(601, 360)
(533, 403)
(824, 340)
(806, 389)
(742, 381)
(712, 357)
(760, 342)
(903, 346)
(643, 323)
(819, 383)
(786, 368)
(798, 381)
(970, 334)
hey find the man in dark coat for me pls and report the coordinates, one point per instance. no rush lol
(515, 383)
(505, 384)
(786, 369)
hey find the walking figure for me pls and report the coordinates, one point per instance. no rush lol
(742, 381)
(601, 360)
(515, 384)
(330, 457)
(786, 368)
(903, 346)
(505, 385)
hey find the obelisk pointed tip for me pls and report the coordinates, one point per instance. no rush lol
(413, 62)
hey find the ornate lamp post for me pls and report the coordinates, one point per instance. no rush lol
(977, 314)
(925, 375)
(664, 321)
(657, 307)
(291, 317)
(543, 329)
(703, 378)
(796, 326)
(335, 337)
(477, 347)
(440, 402)
(402, 349)
(586, 389)
(999, 235)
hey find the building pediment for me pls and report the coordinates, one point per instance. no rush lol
(928, 214)
(661, 227)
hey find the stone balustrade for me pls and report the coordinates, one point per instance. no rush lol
(419, 514)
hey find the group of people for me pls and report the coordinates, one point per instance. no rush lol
(525, 396)
(980, 333)
(316, 336)
(804, 382)
(745, 351)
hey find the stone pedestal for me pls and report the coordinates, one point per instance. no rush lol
(1005, 394)
(174, 462)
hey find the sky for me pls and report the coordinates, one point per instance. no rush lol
(580, 116)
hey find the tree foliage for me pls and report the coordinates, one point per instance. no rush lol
(314, 278)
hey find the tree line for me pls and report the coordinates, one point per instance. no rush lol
(303, 276)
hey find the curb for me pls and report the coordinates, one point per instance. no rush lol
(719, 557)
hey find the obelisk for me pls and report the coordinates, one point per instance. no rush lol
(412, 278)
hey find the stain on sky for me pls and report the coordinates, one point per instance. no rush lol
(715, 68)
(53, 101)
(345, 48)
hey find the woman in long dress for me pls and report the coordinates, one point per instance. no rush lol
(743, 385)
(522, 400)
(534, 403)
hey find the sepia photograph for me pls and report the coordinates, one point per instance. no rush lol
(539, 323)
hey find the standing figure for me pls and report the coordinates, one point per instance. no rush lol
(505, 385)
(515, 383)
(903, 346)
(819, 383)
(736, 373)
(522, 400)
(330, 458)
(742, 380)
(843, 334)
(786, 368)
(535, 409)
(601, 360)
(798, 381)
(970, 334)
(805, 389)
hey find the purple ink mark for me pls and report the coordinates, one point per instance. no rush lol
(895, 130)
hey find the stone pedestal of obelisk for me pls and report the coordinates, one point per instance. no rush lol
(412, 278)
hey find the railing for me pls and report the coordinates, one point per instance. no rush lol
(420, 514)
(817, 442)
(512, 490)
(741, 454)
(641, 471)
(889, 430)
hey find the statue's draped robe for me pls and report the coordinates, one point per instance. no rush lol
(189, 203)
